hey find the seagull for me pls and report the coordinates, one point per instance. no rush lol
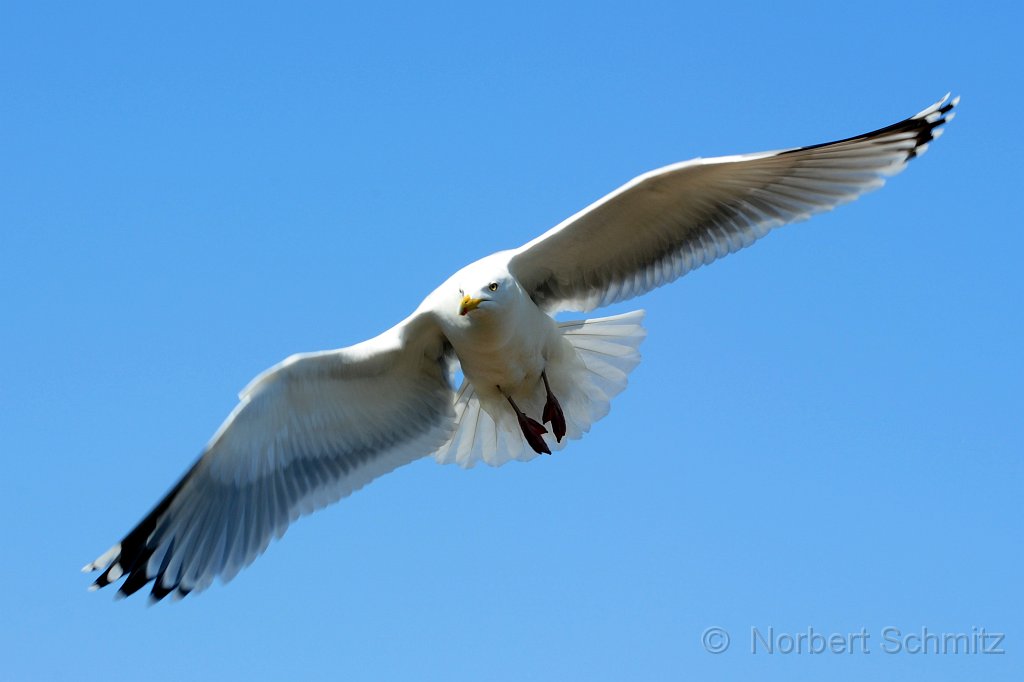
(319, 426)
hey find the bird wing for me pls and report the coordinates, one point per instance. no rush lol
(305, 433)
(665, 223)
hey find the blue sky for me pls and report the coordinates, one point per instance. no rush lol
(825, 431)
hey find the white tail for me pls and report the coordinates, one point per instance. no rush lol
(595, 368)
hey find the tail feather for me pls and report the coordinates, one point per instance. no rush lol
(602, 353)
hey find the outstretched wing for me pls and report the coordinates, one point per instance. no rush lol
(306, 433)
(669, 221)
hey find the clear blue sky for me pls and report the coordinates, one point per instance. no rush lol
(825, 431)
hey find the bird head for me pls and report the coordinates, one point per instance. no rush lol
(490, 295)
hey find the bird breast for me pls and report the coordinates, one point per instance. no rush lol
(510, 352)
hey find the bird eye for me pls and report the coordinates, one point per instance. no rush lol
(493, 286)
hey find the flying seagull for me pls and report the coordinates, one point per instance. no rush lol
(318, 426)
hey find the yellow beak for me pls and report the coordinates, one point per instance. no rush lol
(468, 304)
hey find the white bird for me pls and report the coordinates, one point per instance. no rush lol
(318, 426)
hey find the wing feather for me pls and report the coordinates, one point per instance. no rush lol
(306, 433)
(665, 223)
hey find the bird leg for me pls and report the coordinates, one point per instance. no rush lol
(532, 429)
(553, 411)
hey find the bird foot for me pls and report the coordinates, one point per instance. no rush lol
(553, 412)
(532, 430)
(553, 415)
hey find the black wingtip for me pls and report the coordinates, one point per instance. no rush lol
(929, 122)
(159, 591)
(136, 549)
(924, 125)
